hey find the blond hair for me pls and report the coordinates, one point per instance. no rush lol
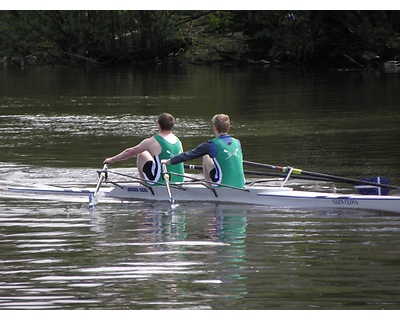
(221, 122)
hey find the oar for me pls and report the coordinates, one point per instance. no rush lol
(166, 177)
(256, 173)
(93, 197)
(319, 175)
(260, 173)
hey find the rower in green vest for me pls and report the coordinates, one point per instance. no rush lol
(150, 151)
(168, 150)
(222, 156)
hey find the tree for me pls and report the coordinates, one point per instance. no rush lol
(110, 37)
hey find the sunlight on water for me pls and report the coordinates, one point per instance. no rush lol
(122, 125)
(56, 254)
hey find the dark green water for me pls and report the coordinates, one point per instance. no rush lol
(57, 125)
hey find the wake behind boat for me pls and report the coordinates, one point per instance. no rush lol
(257, 193)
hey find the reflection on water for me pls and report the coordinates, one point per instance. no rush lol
(66, 259)
(57, 126)
(229, 226)
(140, 256)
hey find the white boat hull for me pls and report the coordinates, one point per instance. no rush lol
(263, 196)
(255, 195)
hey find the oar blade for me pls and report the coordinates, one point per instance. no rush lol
(328, 177)
(366, 189)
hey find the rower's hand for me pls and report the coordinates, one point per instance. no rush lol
(165, 161)
(108, 161)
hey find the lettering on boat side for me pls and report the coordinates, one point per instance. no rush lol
(345, 201)
(137, 189)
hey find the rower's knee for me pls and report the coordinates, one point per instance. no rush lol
(208, 167)
(141, 160)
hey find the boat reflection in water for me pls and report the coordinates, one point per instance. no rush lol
(201, 245)
(229, 226)
(197, 253)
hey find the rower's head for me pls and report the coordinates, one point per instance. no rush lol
(221, 123)
(166, 121)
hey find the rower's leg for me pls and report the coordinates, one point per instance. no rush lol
(142, 159)
(208, 166)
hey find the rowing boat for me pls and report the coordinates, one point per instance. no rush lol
(260, 195)
(277, 197)
(265, 194)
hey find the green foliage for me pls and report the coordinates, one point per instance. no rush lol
(303, 37)
(219, 22)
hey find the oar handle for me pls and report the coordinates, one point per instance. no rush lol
(165, 173)
(193, 167)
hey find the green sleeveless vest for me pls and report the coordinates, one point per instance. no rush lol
(229, 163)
(168, 150)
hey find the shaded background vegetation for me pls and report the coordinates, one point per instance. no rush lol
(310, 38)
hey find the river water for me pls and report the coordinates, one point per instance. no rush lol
(58, 124)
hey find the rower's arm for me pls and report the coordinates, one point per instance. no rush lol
(128, 153)
(201, 150)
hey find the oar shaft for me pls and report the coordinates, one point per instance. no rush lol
(93, 197)
(264, 165)
(101, 178)
(320, 175)
(276, 168)
(167, 183)
(260, 173)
